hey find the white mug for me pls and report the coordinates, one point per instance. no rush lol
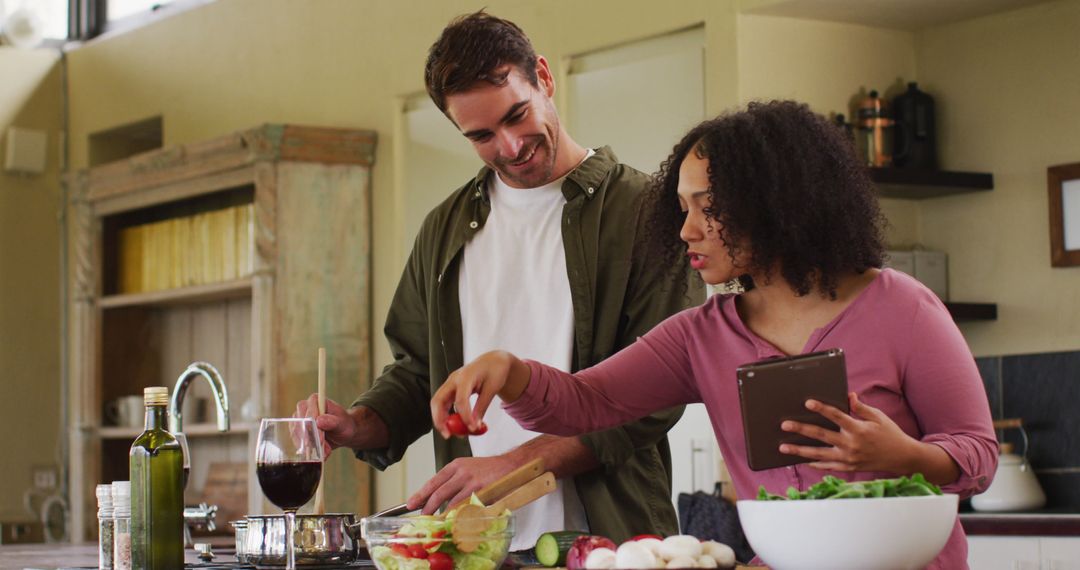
(126, 411)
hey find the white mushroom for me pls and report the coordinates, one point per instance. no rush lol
(681, 562)
(706, 561)
(722, 553)
(600, 559)
(635, 555)
(680, 545)
(652, 544)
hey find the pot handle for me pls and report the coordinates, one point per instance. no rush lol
(1008, 423)
(355, 530)
(1016, 423)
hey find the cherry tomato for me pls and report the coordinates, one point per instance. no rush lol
(644, 536)
(401, 550)
(481, 430)
(456, 425)
(435, 543)
(440, 561)
(417, 551)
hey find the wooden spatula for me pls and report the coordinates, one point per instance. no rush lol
(472, 520)
(486, 494)
(500, 487)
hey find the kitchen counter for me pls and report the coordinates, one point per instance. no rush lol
(63, 556)
(84, 556)
(1047, 522)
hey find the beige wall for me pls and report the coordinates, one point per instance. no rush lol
(30, 89)
(1009, 92)
(826, 65)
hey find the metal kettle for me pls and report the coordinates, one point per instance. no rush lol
(1015, 487)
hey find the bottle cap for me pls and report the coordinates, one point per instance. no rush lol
(121, 496)
(156, 395)
(105, 500)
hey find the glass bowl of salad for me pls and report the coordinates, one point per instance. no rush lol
(424, 542)
(889, 524)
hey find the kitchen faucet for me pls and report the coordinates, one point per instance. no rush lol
(203, 515)
(217, 386)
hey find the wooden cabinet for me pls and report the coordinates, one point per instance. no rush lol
(307, 285)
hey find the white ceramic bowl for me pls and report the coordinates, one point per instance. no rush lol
(895, 533)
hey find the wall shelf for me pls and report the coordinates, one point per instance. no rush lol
(911, 184)
(235, 289)
(972, 311)
(194, 430)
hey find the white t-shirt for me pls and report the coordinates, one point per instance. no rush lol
(515, 295)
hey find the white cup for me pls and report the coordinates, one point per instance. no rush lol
(126, 411)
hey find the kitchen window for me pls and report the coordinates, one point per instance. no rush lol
(91, 18)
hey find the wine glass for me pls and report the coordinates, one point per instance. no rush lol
(288, 462)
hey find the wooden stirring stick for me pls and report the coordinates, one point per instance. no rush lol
(320, 500)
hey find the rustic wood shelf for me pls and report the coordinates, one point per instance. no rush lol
(911, 184)
(193, 430)
(972, 311)
(235, 289)
(309, 190)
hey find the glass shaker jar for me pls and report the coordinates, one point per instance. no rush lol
(106, 525)
(122, 527)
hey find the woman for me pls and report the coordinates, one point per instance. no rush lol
(774, 197)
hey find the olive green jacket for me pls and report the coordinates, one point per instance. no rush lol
(617, 296)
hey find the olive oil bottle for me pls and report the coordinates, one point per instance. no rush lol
(157, 491)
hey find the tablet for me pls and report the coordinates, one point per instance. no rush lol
(774, 390)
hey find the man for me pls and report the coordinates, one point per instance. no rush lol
(537, 254)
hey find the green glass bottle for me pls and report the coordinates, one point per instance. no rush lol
(157, 491)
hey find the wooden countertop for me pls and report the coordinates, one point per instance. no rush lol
(58, 556)
(1034, 523)
(66, 556)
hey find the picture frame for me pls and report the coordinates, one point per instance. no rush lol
(1063, 185)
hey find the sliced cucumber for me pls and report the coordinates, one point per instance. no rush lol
(551, 547)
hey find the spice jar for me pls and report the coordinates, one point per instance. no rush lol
(121, 491)
(106, 525)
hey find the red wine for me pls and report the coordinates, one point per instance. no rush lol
(290, 484)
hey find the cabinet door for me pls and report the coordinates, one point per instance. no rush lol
(1003, 553)
(1060, 553)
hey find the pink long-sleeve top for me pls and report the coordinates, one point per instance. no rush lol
(904, 356)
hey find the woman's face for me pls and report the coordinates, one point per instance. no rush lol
(708, 252)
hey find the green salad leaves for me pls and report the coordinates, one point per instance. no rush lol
(835, 488)
(426, 543)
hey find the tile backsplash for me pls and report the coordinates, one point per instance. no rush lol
(1044, 391)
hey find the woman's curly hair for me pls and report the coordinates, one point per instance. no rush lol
(784, 183)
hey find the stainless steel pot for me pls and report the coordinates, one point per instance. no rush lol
(240, 530)
(330, 539)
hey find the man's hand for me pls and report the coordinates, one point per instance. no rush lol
(356, 428)
(459, 479)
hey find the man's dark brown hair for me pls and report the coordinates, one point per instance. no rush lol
(473, 48)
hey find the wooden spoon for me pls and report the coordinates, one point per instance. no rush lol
(320, 501)
(472, 520)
